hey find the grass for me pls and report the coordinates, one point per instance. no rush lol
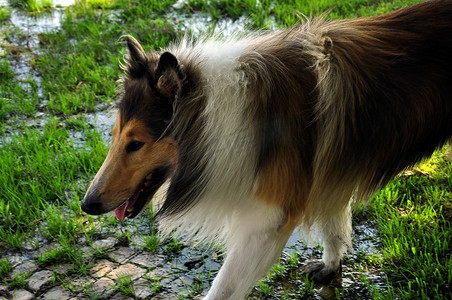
(32, 6)
(5, 268)
(124, 285)
(45, 167)
(5, 14)
(39, 167)
(16, 98)
(18, 281)
(417, 240)
(151, 242)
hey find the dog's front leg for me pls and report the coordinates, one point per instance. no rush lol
(256, 239)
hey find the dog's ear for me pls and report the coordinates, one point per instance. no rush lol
(137, 61)
(168, 75)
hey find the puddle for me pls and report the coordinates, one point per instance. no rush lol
(24, 49)
(24, 43)
(25, 40)
(34, 24)
(63, 3)
(199, 24)
(102, 120)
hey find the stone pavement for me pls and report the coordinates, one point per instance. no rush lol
(124, 273)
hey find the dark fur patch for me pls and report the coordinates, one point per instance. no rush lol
(188, 183)
(143, 97)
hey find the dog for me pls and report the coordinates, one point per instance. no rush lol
(260, 134)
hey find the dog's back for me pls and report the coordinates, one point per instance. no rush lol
(385, 96)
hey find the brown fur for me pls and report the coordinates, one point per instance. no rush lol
(121, 173)
(321, 114)
(383, 94)
(385, 99)
(284, 127)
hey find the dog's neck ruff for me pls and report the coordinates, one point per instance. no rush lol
(222, 149)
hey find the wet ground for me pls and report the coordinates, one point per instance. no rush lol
(174, 270)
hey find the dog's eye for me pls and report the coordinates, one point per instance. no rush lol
(134, 146)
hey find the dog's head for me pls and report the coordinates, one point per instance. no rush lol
(142, 154)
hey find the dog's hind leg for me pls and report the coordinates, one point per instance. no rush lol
(256, 239)
(336, 235)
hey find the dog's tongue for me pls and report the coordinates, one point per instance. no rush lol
(121, 211)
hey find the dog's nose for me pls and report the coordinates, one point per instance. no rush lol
(92, 205)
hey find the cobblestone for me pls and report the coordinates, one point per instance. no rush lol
(122, 254)
(131, 270)
(15, 260)
(79, 285)
(103, 287)
(23, 295)
(24, 268)
(39, 279)
(153, 276)
(120, 296)
(105, 243)
(148, 260)
(143, 288)
(165, 296)
(61, 269)
(102, 267)
(87, 252)
(57, 293)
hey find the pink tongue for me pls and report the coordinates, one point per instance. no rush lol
(121, 211)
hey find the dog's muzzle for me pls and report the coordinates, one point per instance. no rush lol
(92, 205)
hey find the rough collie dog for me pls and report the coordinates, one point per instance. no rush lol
(261, 134)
